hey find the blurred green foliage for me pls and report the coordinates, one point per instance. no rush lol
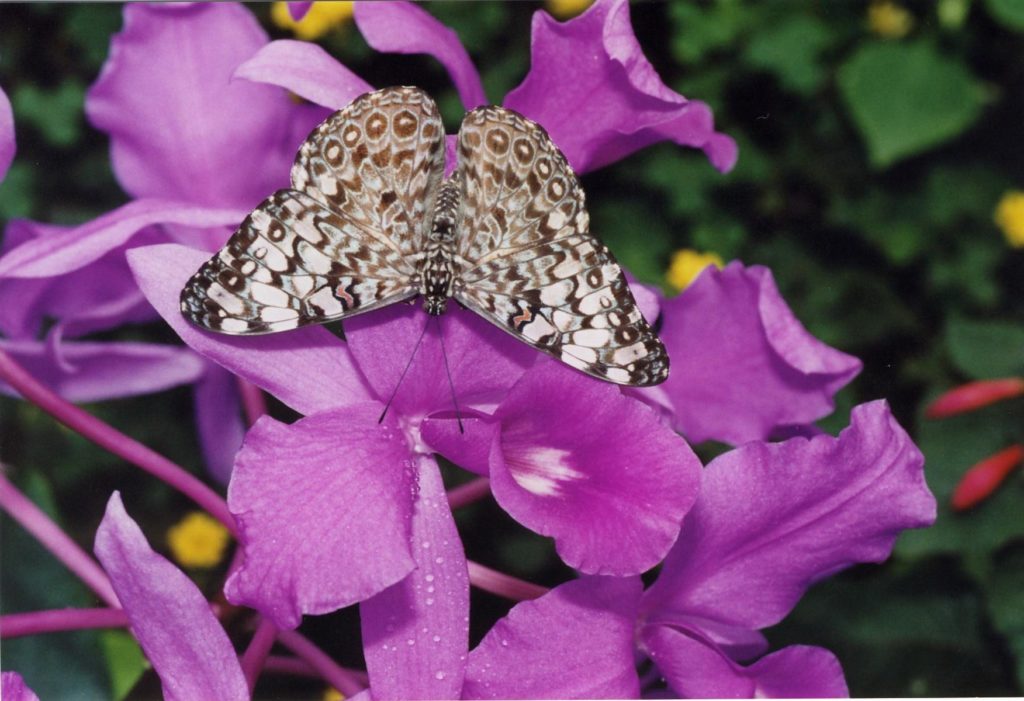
(870, 167)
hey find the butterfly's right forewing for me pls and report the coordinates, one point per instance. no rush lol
(344, 239)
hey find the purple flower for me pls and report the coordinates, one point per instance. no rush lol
(169, 616)
(771, 520)
(7, 146)
(13, 688)
(743, 367)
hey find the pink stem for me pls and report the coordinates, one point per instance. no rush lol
(256, 654)
(15, 625)
(470, 492)
(279, 664)
(108, 437)
(502, 584)
(49, 534)
(254, 404)
(348, 683)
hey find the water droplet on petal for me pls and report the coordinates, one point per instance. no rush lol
(438, 675)
(410, 641)
(429, 578)
(437, 638)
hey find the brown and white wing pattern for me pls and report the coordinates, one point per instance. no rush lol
(527, 262)
(344, 239)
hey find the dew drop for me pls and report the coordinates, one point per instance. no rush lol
(410, 642)
(438, 675)
(436, 638)
(430, 602)
(438, 560)
(504, 643)
(425, 544)
(429, 578)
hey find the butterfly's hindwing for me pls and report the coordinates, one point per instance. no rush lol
(294, 262)
(529, 263)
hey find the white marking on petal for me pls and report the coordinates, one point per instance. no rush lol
(542, 470)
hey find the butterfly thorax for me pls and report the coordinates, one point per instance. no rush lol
(437, 272)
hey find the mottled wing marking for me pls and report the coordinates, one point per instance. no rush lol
(294, 262)
(528, 263)
(381, 161)
(345, 239)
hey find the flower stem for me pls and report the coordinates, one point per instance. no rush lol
(344, 681)
(502, 584)
(255, 655)
(16, 625)
(254, 404)
(49, 534)
(468, 493)
(111, 439)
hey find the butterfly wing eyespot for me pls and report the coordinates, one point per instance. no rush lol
(343, 239)
(529, 262)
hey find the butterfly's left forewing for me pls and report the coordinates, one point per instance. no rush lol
(344, 239)
(528, 263)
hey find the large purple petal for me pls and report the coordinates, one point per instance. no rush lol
(404, 28)
(309, 369)
(416, 633)
(93, 372)
(60, 251)
(218, 420)
(180, 128)
(773, 518)
(14, 688)
(169, 615)
(7, 146)
(484, 361)
(593, 468)
(696, 669)
(742, 364)
(600, 99)
(469, 448)
(298, 10)
(574, 642)
(306, 70)
(323, 507)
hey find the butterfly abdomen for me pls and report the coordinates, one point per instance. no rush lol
(438, 272)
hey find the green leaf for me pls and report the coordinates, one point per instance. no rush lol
(908, 98)
(1009, 13)
(1005, 600)
(790, 51)
(57, 113)
(641, 243)
(125, 661)
(698, 30)
(950, 447)
(986, 349)
(17, 195)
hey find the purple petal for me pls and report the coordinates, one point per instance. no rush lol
(97, 297)
(404, 28)
(484, 360)
(470, 448)
(574, 642)
(298, 10)
(218, 420)
(323, 507)
(696, 669)
(66, 250)
(594, 469)
(308, 369)
(7, 146)
(773, 518)
(93, 372)
(14, 688)
(742, 364)
(169, 617)
(600, 99)
(306, 70)
(416, 633)
(179, 127)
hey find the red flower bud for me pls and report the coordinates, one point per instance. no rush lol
(983, 479)
(974, 395)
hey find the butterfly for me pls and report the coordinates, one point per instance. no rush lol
(371, 220)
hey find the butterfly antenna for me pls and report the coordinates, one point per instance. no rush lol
(402, 376)
(447, 370)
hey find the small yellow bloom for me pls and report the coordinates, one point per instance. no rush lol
(687, 264)
(1010, 217)
(564, 9)
(332, 694)
(889, 20)
(321, 18)
(198, 540)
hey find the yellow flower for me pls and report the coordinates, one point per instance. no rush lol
(321, 18)
(1010, 217)
(564, 9)
(889, 20)
(198, 540)
(687, 264)
(332, 694)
